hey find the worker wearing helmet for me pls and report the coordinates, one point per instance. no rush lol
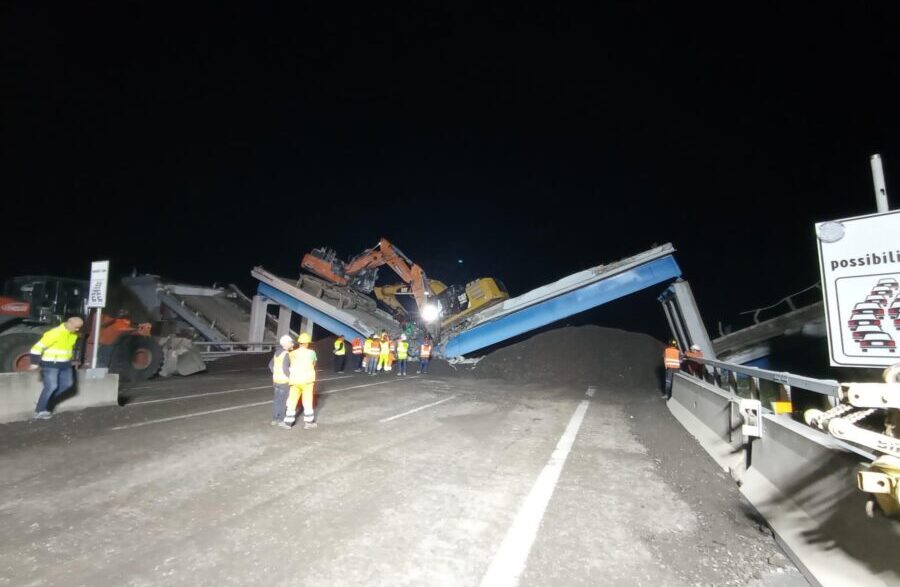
(340, 354)
(281, 377)
(384, 351)
(693, 367)
(402, 355)
(302, 379)
(357, 349)
(425, 355)
(372, 349)
(672, 362)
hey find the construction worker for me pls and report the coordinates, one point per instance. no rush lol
(281, 378)
(693, 367)
(372, 354)
(340, 354)
(53, 354)
(302, 379)
(392, 354)
(384, 351)
(672, 362)
(402, 354)
(357, 350)
(425, 355)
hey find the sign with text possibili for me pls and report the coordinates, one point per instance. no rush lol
(97, 290)
(859, 259)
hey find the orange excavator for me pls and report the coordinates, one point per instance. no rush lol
(362, 270)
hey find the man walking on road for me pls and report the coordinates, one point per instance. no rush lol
(302, 379)
(53, 354)
(340, 354)
(280, 366)
(672, 363)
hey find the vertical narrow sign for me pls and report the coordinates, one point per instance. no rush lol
(97, 299)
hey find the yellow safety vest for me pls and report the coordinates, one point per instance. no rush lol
(303, 366)
(339, 347)
(56, 346)
(384, 350)
(672, 358)
(278, 375)
(402, 349)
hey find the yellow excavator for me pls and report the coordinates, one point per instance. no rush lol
(436, 302)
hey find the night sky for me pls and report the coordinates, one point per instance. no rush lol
(528, 143)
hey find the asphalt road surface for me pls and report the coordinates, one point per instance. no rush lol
(415, 481)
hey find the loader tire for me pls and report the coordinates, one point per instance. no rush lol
(136, 358)
(14, 351)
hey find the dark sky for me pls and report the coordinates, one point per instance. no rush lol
(530, 143)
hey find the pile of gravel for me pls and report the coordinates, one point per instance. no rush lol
(581, 355)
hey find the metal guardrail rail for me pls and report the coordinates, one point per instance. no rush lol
(220, 349)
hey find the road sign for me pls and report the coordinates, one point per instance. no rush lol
(859, 261)
(97, 290)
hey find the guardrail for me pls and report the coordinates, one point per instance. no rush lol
(799, 478)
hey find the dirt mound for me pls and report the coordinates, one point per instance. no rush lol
(580, 355)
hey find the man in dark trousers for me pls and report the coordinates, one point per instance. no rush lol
(340, 354)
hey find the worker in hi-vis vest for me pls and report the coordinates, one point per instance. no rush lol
(402, 355)
(302, 379)
(384, 351)
(373, 349)
(672, 363)
(425, 355)
(357, 354)
(280, 366)
(340, 354)
(54, 354)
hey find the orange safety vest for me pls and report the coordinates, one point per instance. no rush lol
(376, 346)
(357, 346)
(672, 358)
(694, 354)
(425, 351)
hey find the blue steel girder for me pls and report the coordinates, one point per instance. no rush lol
(548, 311)
(327, 322)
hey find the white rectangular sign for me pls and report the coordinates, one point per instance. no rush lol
(97, 290)
(859, 260)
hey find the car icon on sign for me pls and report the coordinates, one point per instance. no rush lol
(894, 309)
(869, 308)
(881, 291)
(861, 331)
(858, 319)
(880, 300)
(877, 340)
(888, 282)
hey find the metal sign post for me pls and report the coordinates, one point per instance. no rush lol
(97, 299)
(881, 201)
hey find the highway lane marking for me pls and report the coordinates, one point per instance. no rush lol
(509, 562)
(254, 404)
(398, 380)
(181, 397)
(419, 409)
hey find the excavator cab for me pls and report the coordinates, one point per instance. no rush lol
(42, 298)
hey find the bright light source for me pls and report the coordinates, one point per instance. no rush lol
(431, 312)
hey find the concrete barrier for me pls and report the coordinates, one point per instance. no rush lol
(802, 481)
(19, 393)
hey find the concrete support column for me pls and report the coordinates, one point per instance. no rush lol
(258, 319)
(284, 321)
(306, 325)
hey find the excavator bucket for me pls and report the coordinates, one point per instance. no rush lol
(180, 357)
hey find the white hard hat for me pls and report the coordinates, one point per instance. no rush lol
(695, 347)
(286, 340)
(402, 337)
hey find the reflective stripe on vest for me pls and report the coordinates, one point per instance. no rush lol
(357, 346)
(672, 358)
(56, 345)
(385, 349)
(402, 349)
(375, 348)
(339, 348)
(425, 351)
(302, 368)
(278, 375)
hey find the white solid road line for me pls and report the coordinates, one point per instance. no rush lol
(419, 409)
(509, 562)
(194, 414)
(181, 397)
(398, 380)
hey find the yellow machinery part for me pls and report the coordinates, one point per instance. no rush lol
(482, 292)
